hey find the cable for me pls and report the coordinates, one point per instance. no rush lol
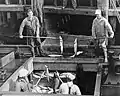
(115, 8)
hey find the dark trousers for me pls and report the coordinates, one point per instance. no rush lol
(74, 3)
(35, 43)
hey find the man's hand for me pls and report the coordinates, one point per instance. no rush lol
(37, 36)
(21, 36)
(111, 36)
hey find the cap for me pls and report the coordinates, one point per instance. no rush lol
(29, 10)
(70, 76)
(98, 11)
(23, 72)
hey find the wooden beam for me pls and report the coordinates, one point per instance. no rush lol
(104, 6)
(47, 9)
(7, 59)
(98, 84)
(25, 49)
(14, 76)
(78, 11)
(12, 7)
(32, 94)
(20, 2)
(6, 2)
(32, 4)
(65, 64)
(66, 60)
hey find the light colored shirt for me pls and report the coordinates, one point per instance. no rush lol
(74, 90)
(33, 24)
(22, 86)
(101, 27)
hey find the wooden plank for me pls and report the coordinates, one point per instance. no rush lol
(7, 59)
(66, 60)
(110, 90)
(81, 11)
(32, 4)
(55, 66)
(34, 94)
(65, 67)
(98, 84)
(14, 76)
(4, 49)
(57, 10)
(12, 7)
(68, 64)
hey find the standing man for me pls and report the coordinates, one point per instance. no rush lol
(74, 3)
(69, 87)
(100, 30)
(32, 28)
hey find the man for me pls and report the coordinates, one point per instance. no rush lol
(100, 29)
(69, 87)
(32, 27)
(22, 83)
(74, 3)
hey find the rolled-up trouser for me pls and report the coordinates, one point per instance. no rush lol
(102, 42)
(74, 3)
(35, 44)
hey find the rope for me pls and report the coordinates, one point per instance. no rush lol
(115, 8)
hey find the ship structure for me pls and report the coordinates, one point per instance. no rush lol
(67, 47)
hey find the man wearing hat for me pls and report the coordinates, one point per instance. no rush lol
(22, 83)
(101, 29)
(69, 87)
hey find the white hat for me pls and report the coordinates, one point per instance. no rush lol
(70, 76)
(23, 72)
(98, 11)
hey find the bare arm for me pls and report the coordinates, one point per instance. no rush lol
(109, 28)
(38, 26)
(22, 27)
(93, 29)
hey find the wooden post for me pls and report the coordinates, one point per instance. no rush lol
(32, 4)
(6, 2)
(113, 19)
(24, 2)
(91, 3)
(20, 2)
(98, 81)
(104, 6)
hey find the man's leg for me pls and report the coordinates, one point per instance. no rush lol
(105, 50)
(74, 3)
(64, 3)
(105, 54)
(31, 42)
(38, 46)
(55, 2)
